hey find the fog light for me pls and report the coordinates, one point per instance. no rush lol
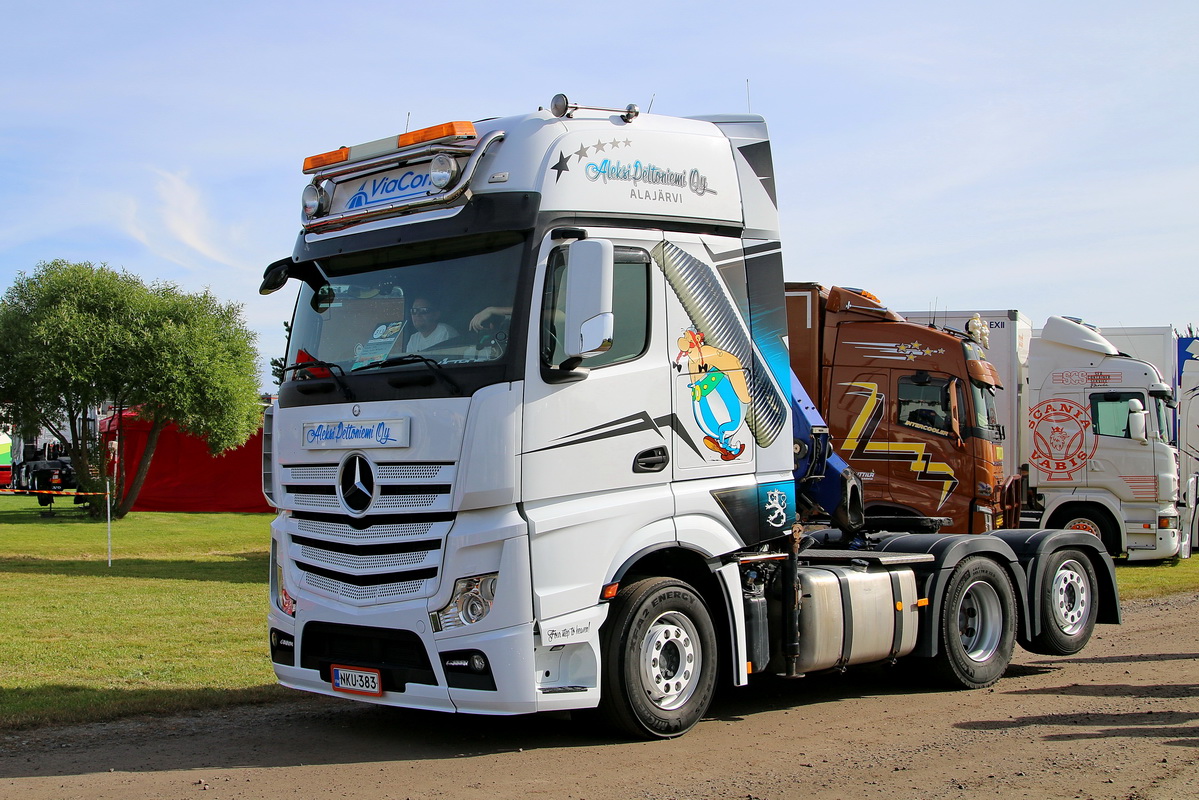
(1167, 523)
(443, 170)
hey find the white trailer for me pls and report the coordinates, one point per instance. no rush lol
(1091, 427)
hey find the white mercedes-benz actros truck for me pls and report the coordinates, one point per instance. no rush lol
(538, 446)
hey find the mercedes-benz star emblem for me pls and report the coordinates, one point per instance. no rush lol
(357, 483)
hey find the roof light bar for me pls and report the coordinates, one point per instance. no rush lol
(325, 159)
(446, 132)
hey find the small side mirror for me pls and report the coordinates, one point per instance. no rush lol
(589, 320)
(275, 276)
(1137, 421)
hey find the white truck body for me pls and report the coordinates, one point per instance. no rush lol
(1085, 470)
(580, 490)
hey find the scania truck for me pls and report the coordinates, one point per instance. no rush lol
(538, 446)
(1093, 430)
(913, 410)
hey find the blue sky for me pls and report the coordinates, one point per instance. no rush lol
(1034, 155)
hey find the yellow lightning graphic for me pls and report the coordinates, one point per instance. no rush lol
(860, 445)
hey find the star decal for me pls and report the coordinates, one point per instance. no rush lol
(581, 152)
(563, 165)
(599, 147)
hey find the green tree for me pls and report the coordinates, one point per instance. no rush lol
(279, 362)
(73, 335)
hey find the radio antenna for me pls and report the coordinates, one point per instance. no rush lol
(749, 109)
(651, 102)
(408, 122)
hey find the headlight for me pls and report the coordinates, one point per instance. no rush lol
(443, 170)
(283, 600)
(470, 602)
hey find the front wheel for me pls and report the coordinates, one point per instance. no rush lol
(659, 667)
(977, 625)
(1092, 522)
(1069, 604)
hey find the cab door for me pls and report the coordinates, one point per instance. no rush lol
(1119, 464)
(597, 449)
(928, 431)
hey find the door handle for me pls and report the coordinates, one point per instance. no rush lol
(653, 460)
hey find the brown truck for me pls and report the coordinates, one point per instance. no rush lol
(909, 407)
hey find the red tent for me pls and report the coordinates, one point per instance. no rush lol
(183, 475)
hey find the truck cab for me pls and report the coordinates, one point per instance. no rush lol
(911, 408)
(1099, 442)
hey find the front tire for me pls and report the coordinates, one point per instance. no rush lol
(659, 667)
(977, 626)
(1069, 604)
(1092, 522)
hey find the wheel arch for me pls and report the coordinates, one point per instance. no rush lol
(948, 551)
(1100, 506)
(1033, 548)
(698, 571)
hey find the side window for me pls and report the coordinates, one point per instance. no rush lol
(630, 306)
(923, 403)
(1109, 412)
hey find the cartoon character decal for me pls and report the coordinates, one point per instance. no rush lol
(719, 392)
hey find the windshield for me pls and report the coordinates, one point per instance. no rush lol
(1162, 415)
(448, 301)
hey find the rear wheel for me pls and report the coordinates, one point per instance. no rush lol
(1068, 604)
(659, 668)
(977, 625)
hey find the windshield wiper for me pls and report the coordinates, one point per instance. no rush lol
(412, 358)
(339, 379)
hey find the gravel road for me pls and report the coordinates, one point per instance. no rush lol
(1119, 720)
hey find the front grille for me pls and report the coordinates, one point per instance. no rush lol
(320, 472)
(392, 552)
(409, 472)
(399, 655)
(362, 594)
(383, 527)
(359, 558)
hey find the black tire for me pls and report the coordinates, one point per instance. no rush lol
(1091, 521)
(1069, 604)
(977, 627)
(659, 659)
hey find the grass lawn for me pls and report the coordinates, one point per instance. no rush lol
(1140, 579)
(178, 621)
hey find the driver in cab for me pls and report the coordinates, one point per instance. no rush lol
(428, 329)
